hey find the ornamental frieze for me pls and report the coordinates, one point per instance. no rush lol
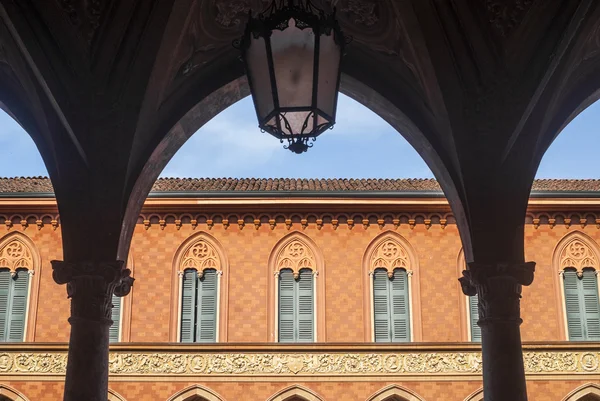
(291, 364)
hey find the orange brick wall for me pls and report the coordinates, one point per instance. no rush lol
(248, 251)
(329, 391)
(343, 249)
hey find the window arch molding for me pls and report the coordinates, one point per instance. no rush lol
(29, 258)
(476, 396)
(213, 258)
(582, 391)
(189, 393)
(564, 257)
(371, 261)
(314, 261)
(388, 393)
(11, 393)
(289, 393)
(114, 396)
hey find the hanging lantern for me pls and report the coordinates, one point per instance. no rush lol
(292, 54)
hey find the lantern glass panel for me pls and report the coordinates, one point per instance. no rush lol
(329, 67)
(258, 73)
(293, 61)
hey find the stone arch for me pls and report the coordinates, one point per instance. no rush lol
(586, 392)
(296, 251)
(11, 394)
(476, 396)
(210, 90)
(575, 250)
(395, 393)
(390, 250)
(114, 396)
(18, 251)
(196, 393)
(295, 392)
(200, 251)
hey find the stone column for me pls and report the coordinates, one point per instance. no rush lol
(499, 291)
(90, 285)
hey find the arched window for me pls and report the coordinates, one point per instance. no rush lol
(587, 392)
(297, 268)
(195, 393)
(199, 266)
(19, 261)
(9, 394)
(114, 396)
(395, 393)
(390, 263)
(476, 396)
(120, 330)
(295, 393)
(469, 304)
(577, 259)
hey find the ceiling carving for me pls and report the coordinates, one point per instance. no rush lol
(212, 26)
(506, 15)
(85, 17)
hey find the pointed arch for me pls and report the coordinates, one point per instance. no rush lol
(576, 250)
(395, 393)
(196, 393)
(114, 396)
(200, 251)
(586, 392)
(18, 251)
(390, 250)
(296, 251)
(292, 392)
(476, 396)
(11, 393)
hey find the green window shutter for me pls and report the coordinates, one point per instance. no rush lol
(20, 285)
(474, 312)
(5, 281)
(305, 306)
(573, 305)
(188, 306)
(381, 310)
(115, 328)
(206, 318)
(400, 306)
(287, 295)
(591, 305)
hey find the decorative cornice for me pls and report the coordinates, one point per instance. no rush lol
(272, 363)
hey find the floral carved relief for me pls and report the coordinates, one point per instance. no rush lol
(296, 255)
(578, 254)
(389, 255)
(200, 256)
(316, 363)
(15, 254)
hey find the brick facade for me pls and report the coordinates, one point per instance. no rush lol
(441, 305)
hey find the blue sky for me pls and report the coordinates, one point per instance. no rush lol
(361, 145)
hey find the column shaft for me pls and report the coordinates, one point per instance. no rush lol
(90, 286)
(499, 292)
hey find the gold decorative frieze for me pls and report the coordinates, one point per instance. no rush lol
(252, 363)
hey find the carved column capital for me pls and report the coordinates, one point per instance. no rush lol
(498, 288)
(91, 285)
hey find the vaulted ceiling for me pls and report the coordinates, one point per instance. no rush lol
(109, 89)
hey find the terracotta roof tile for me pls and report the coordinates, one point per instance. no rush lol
(42, 184)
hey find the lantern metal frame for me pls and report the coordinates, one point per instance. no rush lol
(306, 16)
